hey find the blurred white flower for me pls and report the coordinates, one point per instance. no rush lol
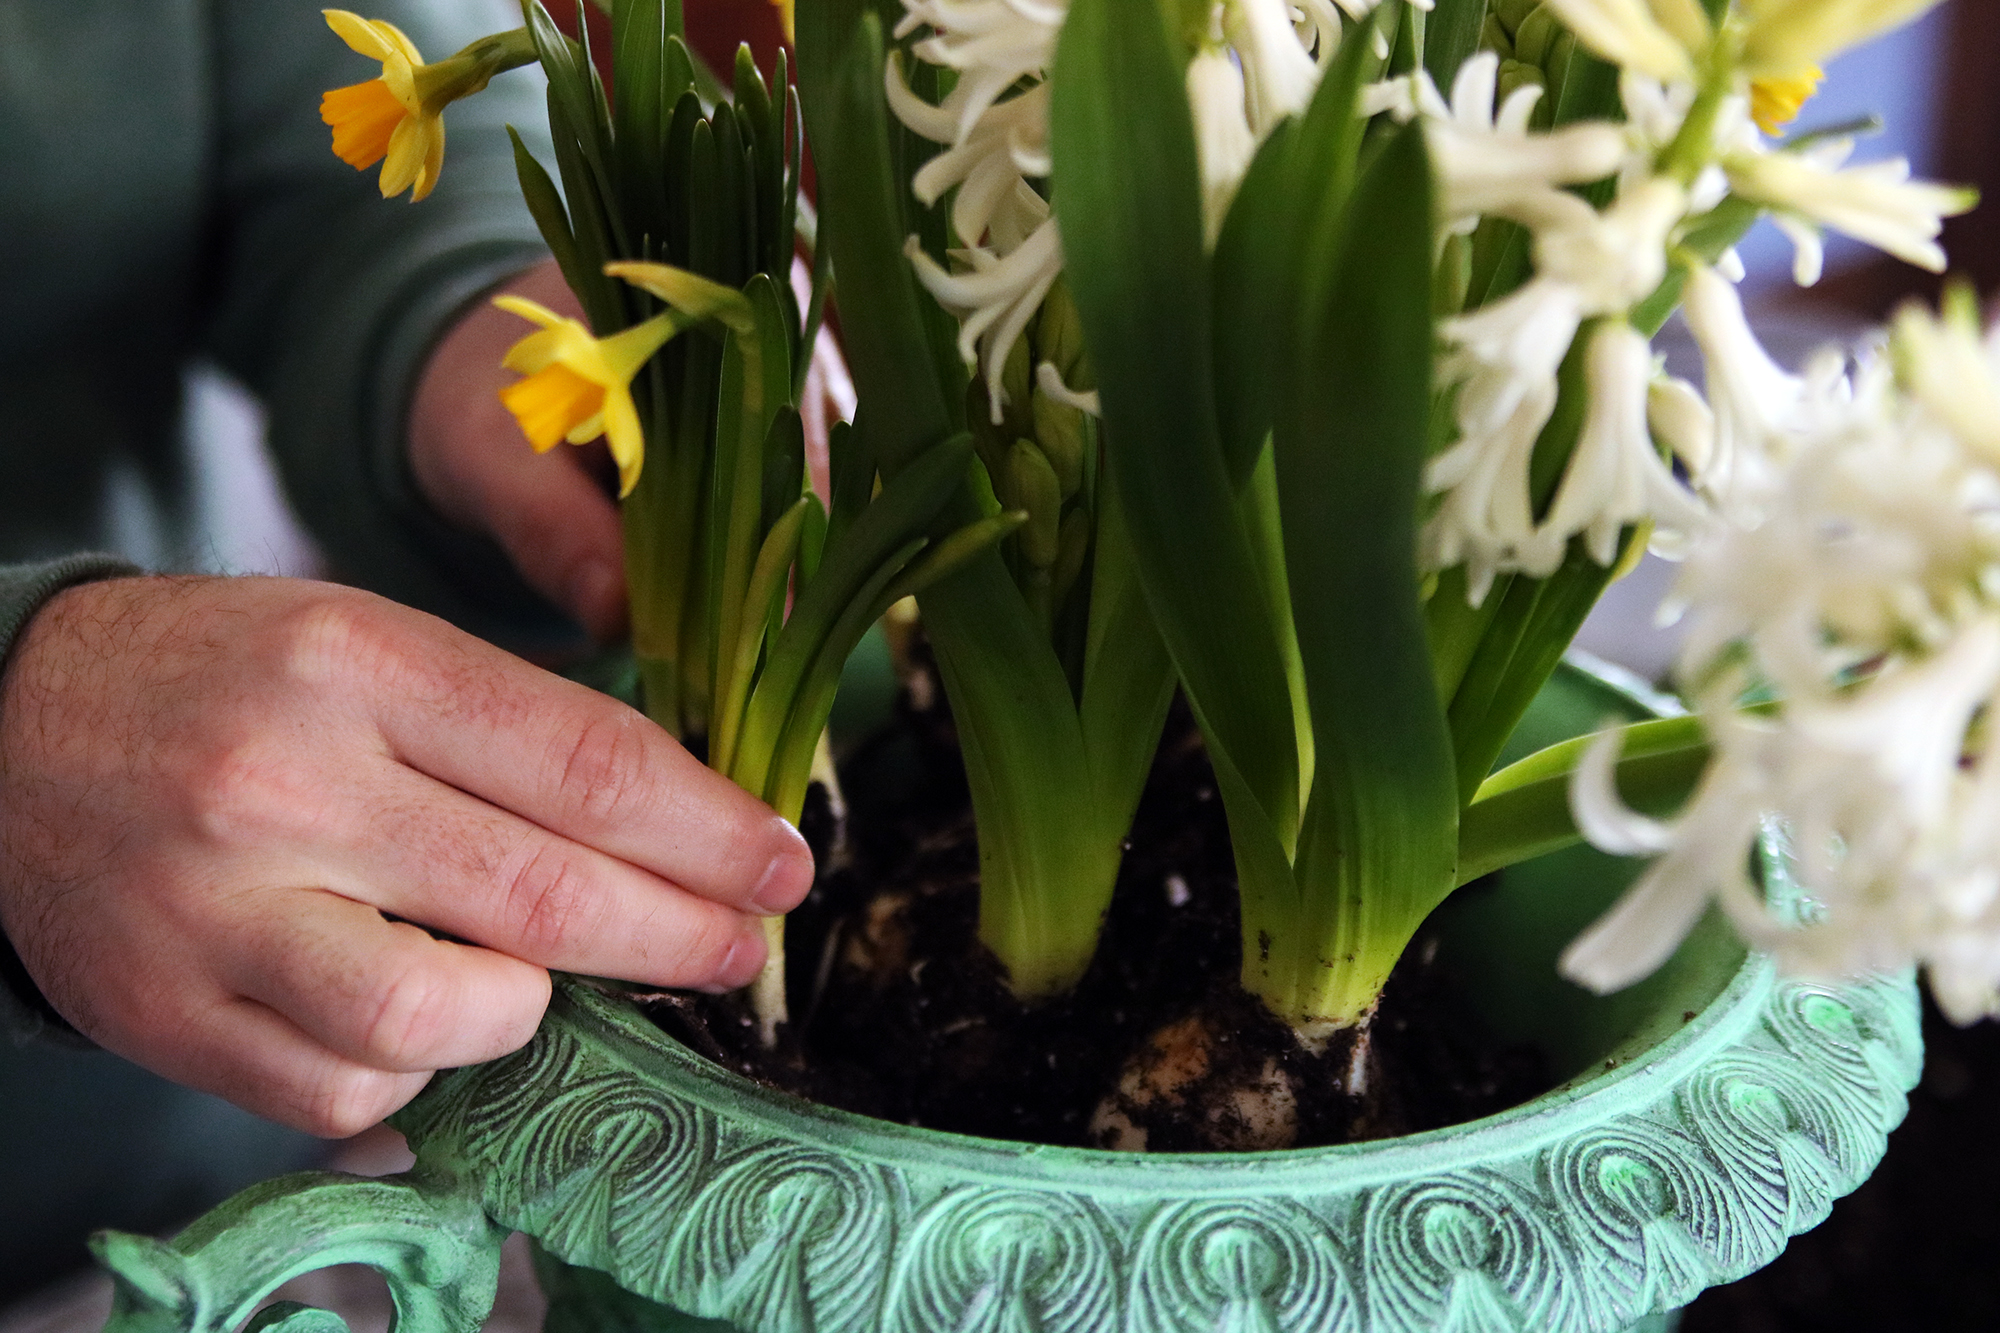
(1487, 160)
(1953, 373)
(1876, 203)
(1654, 38)
(1854, 570)
(1786, 36)
(1277, 69)
(1224, 141)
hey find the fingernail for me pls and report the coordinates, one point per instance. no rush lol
(739, 966)
(788, 878)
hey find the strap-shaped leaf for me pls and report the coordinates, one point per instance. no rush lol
(638, 114)
(1451, 35)
(1350, 438)
(1524, 810)
(904, 509)
(1127, 194)
(840, 82)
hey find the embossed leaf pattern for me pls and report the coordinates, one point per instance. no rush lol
(774, 1228)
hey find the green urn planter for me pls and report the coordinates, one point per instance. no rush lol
(1708, 1115)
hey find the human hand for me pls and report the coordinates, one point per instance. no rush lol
(221, 799)
(550, 512)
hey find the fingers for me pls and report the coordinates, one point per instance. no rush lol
(472, 463)
(424, 851)
(382, 994)
(249, 1054)
(561, 530)
(594, 771)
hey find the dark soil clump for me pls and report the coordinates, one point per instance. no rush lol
(900, 1013)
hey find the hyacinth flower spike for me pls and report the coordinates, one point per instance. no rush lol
(398, 116)
(578, 387)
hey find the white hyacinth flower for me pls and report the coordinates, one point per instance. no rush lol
(1654, 38)
(993, 296)
(1876, 203)
(1224, 140)
(1503, 361)
(995, 127)
(1785, 36)
(993, 44)
(1486, 160)
(1857, 573)
(1616, 477)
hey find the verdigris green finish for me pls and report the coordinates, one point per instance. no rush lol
(1709, 1115)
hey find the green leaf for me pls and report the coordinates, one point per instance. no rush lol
(638, 119)
(1451, 36)
(903, 509)
(600, 301)
(763, 605)
(680, 170)
(784, 463)
(888, 347)
(573, 90)
(1257, 254)
(1523, 810)
(1127, 193)
(591, 225)
(1377, 851)
(735, 200)
(946, 557)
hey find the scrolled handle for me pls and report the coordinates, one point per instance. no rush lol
(425, 1232)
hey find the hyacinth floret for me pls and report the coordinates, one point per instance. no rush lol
(1854, 571)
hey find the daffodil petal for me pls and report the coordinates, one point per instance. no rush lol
(361, 36)
(626, 437)
(432, 130)
(406, 150)
(402, 45)
(531, 310)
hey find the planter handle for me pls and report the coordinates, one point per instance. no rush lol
(424, 1231)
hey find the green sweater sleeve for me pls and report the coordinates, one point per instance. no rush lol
(24, 590)
(330, 297)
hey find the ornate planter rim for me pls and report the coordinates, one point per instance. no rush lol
(1631, 1087)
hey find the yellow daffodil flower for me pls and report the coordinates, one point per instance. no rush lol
(385, 117)
(398, 115)
(784, 8)
(578, 387)
(1776, 102)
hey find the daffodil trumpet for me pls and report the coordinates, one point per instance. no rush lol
(398, 116)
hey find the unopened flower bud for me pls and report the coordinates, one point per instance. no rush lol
(1060, 431)
(1035, 489)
